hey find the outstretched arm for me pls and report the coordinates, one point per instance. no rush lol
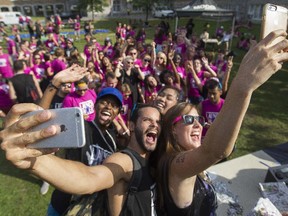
(258, 65)
(69, 176)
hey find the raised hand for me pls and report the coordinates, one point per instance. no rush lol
(262, 61)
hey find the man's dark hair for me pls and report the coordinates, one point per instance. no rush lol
(18, 65)
(110, 74)
(177, 91)
(137, 108)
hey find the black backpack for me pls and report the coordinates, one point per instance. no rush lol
(96, 204)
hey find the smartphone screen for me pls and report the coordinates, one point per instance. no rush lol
(274, 17)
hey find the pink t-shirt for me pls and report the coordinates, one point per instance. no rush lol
(193, 91)
(77, 26)
(151, 95)
(10, 45)
(5, 102)
(39, 71)
(58, 65)
(210, 111)
(85, 102)
(127, 105)
(181, 71)
(5, 66)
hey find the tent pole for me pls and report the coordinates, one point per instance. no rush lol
(176, 24)
(232, 31)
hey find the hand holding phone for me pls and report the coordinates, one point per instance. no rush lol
(70, 126)
(274, 17)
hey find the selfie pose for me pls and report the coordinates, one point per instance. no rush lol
(183, 157)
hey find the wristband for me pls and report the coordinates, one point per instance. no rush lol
(53, 86)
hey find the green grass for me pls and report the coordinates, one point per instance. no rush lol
(265, 125)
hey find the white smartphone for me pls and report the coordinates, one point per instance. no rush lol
(274, 17)
(71, 131)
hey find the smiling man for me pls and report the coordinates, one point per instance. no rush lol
(72, 177)
(101, 141)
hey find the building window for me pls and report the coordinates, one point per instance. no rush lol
(116, 5)
(49, 10)
(27, 10)
(16, 9)
(4, 9)
(59, 8)
(39, 11)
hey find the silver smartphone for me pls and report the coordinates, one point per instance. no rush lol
(71, 132)
(274, 17)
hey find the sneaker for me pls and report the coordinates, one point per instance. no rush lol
(44, 188)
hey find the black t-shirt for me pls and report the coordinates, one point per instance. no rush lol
(98, 146)
(132, 81)
(56, 102)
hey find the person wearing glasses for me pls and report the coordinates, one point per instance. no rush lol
(132, 75)
(184, 187)
(82, 97)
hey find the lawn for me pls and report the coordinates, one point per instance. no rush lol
(264, 125)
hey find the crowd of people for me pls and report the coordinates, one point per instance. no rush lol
(166, 101)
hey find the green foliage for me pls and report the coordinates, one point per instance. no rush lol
(93, 5)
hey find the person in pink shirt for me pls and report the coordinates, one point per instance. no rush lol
(108, 49)
(177, 60)
(210, 107)
(58, 64)
(5, 101)
(11, 47)
(38, 67)
(5, 65)
(151, 88)
(196, 78)
(51, 42)
(180, 46)
(77, 27)
(82, 97)
(127, 104)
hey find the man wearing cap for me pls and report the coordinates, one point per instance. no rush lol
(101, 142)
(115, 174)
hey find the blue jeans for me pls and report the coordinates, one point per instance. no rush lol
(51, 211)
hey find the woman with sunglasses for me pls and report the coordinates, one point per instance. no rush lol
(183, 188)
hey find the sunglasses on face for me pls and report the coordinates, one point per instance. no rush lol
(81, 90)
(131, 63)
(189, 119)
(66, 85)
(147, 60)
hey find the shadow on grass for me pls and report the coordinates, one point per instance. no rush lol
(6, 168)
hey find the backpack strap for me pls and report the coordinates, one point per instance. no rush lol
(137, 172)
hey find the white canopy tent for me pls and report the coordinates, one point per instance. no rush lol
(206, 9)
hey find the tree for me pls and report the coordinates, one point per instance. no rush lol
(93, 5)
(146, 5)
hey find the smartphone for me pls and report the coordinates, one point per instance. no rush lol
(71, 131)
(274, 17)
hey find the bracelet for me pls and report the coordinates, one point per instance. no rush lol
(53, 86)
(125, 132)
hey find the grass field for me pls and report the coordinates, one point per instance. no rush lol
(264, 125)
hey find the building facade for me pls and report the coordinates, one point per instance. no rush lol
(245, 9)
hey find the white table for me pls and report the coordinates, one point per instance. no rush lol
(241, 176)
